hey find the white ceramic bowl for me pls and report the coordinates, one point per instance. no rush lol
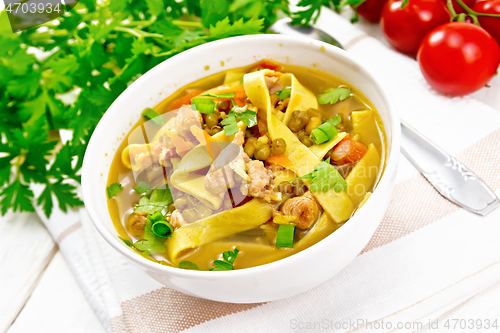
(286, 277)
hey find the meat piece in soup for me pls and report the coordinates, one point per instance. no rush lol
(246, 167)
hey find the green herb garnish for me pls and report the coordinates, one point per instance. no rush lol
(225, 95)
(227, 263)
(284, 94)
(158, 200)
(126, 241)
(152, 115)
(326, 131)
(230, 125)
(248, 117)
(324, 177)
(160, 227)
(151, 244)
(334, 95)
(203, 105)
(285, 235)
(188, 265)
(143, 188)
(113, 190)
(334, 120)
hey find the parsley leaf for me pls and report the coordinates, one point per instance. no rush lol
(248, 117)
(113, 190)
(304, 17)
(143, 188)
(18, 196)
(284, 94)
(332, 96)
(158, 200)
(226, 264)
(126, 241)
(230, 125)
(324, 177)
(188, 265)
(224, 28)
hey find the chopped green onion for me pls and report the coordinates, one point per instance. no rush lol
(226, 95)
(150, 114)
(319, 136)
(203, 105)
(113, 190)
(285, 235)
(188, 265)
(324, 133)
(162, 229)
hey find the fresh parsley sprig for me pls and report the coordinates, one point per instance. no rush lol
(324, 177)
(334, 95)
(248, 117)
(156, 202)
(91, 55)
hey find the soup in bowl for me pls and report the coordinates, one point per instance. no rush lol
(244, 169)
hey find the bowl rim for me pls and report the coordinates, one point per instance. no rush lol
(385, 180)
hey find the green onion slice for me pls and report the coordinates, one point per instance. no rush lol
(323, 133)
(203, 105)
(150, 114)
(285, 235)
(319, 136)
(162, 229)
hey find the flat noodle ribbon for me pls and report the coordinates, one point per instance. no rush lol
(300, 98)
(218, 226)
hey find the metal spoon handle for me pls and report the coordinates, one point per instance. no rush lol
(285, 27)
(450, 177)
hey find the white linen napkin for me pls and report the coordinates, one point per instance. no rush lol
(429, 262)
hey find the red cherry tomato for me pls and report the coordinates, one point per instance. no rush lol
(491, 24)
(371, 10)
(458, 58)
(404, 28)
(458, 8)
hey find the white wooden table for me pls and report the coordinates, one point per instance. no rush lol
(38, 292)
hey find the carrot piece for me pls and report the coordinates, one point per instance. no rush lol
(280, 160)
(239, 102)
(184, 100)
(239, 91)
